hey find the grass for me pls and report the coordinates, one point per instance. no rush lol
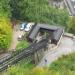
(22, 45)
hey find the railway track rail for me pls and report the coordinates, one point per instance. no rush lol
(24, 53)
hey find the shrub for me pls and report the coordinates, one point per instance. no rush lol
(72, 25)
(64, 64)
(5, 33)
(22, 45)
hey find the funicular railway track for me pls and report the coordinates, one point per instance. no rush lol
(25, 53)
(34, 47)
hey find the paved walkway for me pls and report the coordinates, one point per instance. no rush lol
(67, 45)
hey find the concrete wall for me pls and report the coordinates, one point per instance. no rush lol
(37, 56)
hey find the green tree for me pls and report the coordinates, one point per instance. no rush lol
(5, 33)
(5, 25)
(38, 11)
(28, 9)
(5, 10)
(72, 25)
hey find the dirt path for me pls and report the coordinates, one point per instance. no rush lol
(67, 45)
(16, 33)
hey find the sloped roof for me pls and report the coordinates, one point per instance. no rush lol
(57, 31)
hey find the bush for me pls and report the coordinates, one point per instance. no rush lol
(72, 25)
(64, 64)
(5, 33)
(22, 45)
(25, 68)
(5, 10)
(22, 68)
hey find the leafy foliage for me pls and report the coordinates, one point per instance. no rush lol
(72, 25)
(5, 25)
(26, 68)
(63, 66)
(5, 33)
(20, 69)
(22, 44)
(38, 11)
(5, 10)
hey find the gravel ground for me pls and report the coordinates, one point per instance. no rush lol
(66, 46)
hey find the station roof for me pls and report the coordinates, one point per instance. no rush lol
(57, 31)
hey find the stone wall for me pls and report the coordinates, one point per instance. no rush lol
(37, 56)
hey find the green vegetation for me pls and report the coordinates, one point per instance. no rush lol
(5, 10)
(28, 10)
(26, 68)
(22, 45)
(38, 11)
(72, 25)
(5, 33)
(41, 12)
(23, 68)
(5, 25)
(31, 10)
(63, 66)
